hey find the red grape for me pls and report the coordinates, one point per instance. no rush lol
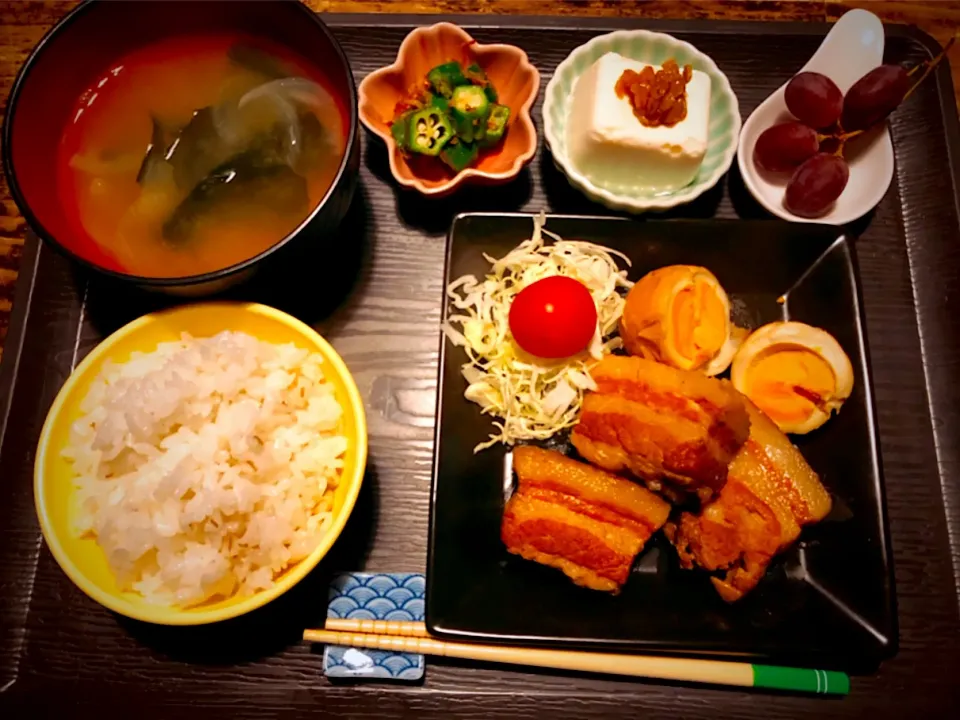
(783, 147)
(814, 99)
(816, 184)
(874, 96)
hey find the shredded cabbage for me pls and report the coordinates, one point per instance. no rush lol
(531, 398)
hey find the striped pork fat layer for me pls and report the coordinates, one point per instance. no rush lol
(584, 521)
(676, 430)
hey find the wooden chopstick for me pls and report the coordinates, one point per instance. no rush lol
(378, 627)
(413, 638)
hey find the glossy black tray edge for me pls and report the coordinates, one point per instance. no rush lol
(13, 344)
(934, 312)
(884, 652)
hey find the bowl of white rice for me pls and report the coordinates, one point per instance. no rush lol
(200, 462)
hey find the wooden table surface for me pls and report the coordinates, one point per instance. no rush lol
(23, 23)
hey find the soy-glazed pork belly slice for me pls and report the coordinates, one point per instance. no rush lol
(770, 494)
(584, 521)
(677, 430)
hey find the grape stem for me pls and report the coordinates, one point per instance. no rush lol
(843, 137)
(928, 66)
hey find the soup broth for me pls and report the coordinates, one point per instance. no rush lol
(192, 155)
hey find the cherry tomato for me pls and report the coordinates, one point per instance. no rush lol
(554, 317)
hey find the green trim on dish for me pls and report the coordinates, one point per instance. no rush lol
(823, 682)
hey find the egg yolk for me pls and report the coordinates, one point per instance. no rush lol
(699, 323)
(789, 383)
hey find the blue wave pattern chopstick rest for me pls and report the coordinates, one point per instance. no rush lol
(375, 596)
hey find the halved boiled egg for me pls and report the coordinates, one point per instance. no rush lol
(679, 315)
(796, 373)
(722, 359)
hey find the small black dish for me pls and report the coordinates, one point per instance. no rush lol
(828, 600)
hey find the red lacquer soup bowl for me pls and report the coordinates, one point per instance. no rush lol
(94, 38)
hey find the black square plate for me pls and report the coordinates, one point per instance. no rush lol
(828, 600)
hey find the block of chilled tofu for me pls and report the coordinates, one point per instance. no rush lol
(609, 145)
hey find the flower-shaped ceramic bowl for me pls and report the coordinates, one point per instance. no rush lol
(653, 48)
(517, 82)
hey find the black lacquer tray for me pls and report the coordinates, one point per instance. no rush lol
(378, 298)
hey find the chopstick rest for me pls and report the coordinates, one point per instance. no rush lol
(382, 598)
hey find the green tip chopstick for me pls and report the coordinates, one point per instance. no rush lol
(824, 682)
(413, 638)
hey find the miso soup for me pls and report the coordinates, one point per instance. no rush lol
(191, 155)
